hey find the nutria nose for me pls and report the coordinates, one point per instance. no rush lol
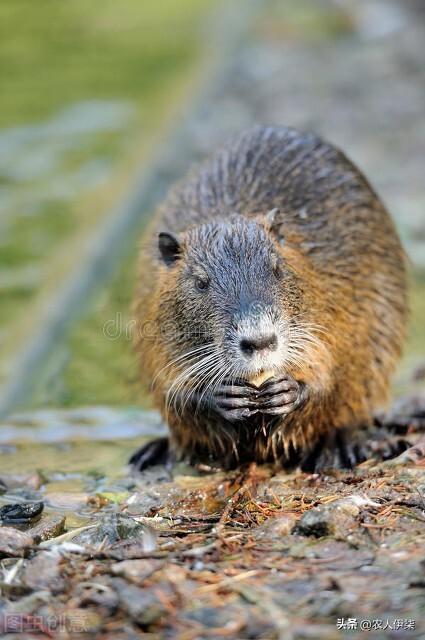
(259, 343)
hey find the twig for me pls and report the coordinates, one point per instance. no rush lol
(248, 480)
(228, 581)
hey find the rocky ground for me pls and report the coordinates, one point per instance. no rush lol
(191, 554)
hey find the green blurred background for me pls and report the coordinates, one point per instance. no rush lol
(88, 90)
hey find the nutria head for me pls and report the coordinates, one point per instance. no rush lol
(229, 305)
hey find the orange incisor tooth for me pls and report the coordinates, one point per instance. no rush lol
(261, 377)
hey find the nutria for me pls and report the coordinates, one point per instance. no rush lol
(271, 306)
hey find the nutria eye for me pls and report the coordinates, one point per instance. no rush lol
(201, 283)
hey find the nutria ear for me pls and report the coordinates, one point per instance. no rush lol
(267, 220)
(269, 223)
(270, 218)
(169, 247)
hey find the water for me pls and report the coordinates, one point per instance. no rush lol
(75, 461)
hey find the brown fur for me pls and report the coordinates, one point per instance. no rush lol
(344, 275)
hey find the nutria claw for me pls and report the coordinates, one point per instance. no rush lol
(235, 400)
(278, 384)
(339, 449)
(237, 389)
(154, 452)
(280, 395)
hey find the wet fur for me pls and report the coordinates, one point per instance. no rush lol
(343, 279)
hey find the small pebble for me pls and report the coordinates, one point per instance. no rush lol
(20, 513)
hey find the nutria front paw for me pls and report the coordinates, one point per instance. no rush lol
(238, 399)
(235, 400)
(280, 395)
